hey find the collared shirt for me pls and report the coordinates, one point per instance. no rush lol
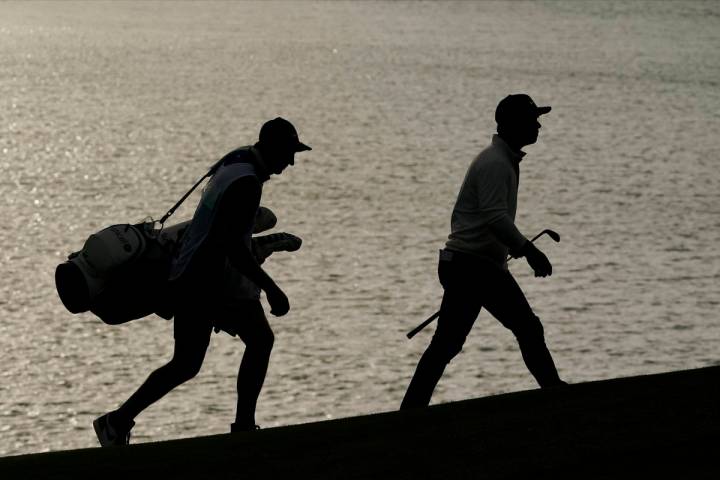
(483, 219)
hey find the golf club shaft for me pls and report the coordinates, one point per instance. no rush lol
(424, 324)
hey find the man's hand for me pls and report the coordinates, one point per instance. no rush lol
(537, 260)
(279, 304)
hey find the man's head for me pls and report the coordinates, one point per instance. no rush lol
(517, 119)
(278, 144)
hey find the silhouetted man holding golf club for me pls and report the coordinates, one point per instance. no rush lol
(219, 233)
(473, 268)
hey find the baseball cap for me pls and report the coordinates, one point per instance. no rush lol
(279, 131)
(517, 106)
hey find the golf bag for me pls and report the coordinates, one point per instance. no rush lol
(121, 273)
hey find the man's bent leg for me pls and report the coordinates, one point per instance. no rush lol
(255, 332)
(192, 337)
(458, 312)
(537, 357)
(507, 303)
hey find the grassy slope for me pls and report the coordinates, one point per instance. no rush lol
(643, 427)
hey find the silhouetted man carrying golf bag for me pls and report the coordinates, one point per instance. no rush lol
(220, 235)
(472, 266)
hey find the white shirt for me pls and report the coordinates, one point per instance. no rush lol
(483, 219)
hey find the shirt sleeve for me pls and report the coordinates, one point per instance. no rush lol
(236, 217)
(494, 185)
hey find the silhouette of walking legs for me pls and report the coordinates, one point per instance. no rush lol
(458, 312)
(471, 283)
(258, 337)
(192, 337)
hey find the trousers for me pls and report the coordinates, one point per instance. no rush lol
(471, 283)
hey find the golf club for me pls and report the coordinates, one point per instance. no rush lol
(551, 233)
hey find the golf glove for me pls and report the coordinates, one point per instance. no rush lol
(536, 259)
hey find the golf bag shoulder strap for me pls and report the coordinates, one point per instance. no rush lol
(210, 172)
(237, 154)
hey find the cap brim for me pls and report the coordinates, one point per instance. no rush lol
(543, 110)
(301, 147)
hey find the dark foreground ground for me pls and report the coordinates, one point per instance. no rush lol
(655, 426)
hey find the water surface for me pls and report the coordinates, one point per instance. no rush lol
(110, 111)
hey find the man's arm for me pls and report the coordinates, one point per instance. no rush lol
(494, 187)
(235, 217)
(504, 229)
(493, 184)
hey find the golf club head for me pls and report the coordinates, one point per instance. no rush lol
(552, 234)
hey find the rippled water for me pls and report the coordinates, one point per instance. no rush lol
(110, 111)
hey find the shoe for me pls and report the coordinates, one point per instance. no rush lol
(109, 435)
(235, 428)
